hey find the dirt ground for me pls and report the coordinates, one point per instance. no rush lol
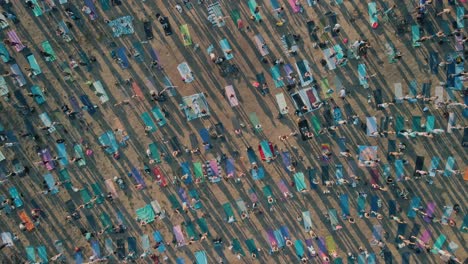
(95, 38)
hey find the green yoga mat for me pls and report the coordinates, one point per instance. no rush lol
(399, 124)
(203, 225)
(299, 181)
(415, 32)
(97, 192)
(194, 194)
(64, 177)
(315, 125)
(155, 155)
(228, 210)
(79, 154)
(86, 198)
(174, 202)
(186, 38)
(31, 254)
(48, 48)
(34, 65)
(191, 233)
(198, 171)
(236, 247)
(326, 87)
(372, 8)
(235, 15)
(430, 123)
(254, 120)
(148, 122)
(438, 244)
(416, 123)
(38, 95)
(252, 6)
(158, 114)
(37, 9)
(42, 253)
(105, 5)
(251, 246)
(105, 221)
(146, 213)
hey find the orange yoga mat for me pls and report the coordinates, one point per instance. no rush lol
(137, 90)
(465, 176)
(25, 218)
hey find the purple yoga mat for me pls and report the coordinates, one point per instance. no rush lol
(321, 246)
(429, 211)
(179, 235)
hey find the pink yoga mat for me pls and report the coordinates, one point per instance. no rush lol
(214, 167)
(425, 237)
(271, 238)
(294, 7)
(283, 187)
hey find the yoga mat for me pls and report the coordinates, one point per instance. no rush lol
(377, 232)
(434, 62)
(34, 65)
(449, 167)
(325, 174)
(434, 166)
(400, 231)
(413, 86)
(418, 164)
(307, 220)
(344, 203)
(227, 50)
(460, 17)
(373, 15)
(371, 125)
(430, 123)
(415, 201)
(415, 32)
(363, 76)
(440, 241)
(429, 211)
(398, 93)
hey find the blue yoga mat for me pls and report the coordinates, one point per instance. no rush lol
(258, 174)
(186, 171)
(414, 204)
(434, 62)
(138, 178)
(90, 4)
(337, 115)
(399, 170)
(96, 248)
(449, 166)
(122, 54)
(344, 203)
(205, 135)
(225, 46)
(88, 105)
(374, 203)
(62, 154)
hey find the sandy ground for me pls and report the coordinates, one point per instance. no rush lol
(94, 38)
